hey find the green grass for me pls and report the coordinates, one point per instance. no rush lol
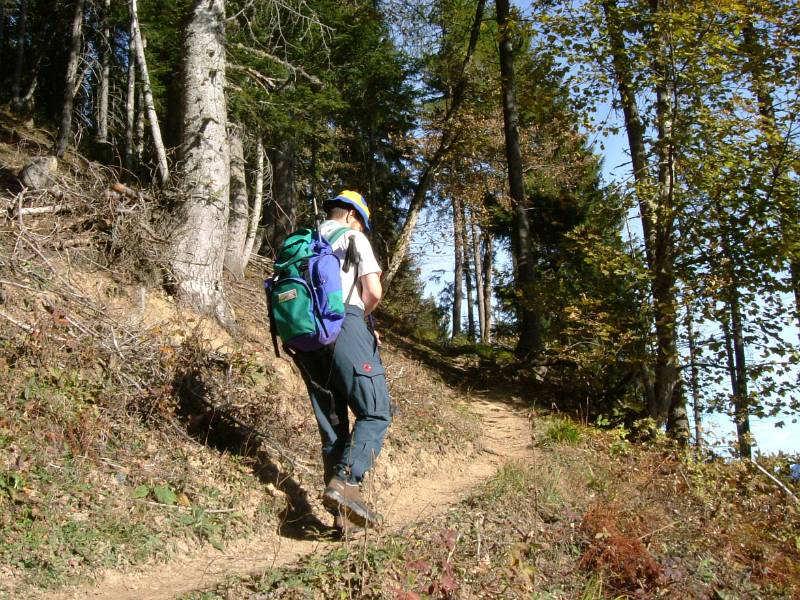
(563, 431)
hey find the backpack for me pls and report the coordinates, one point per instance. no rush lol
(304, 296)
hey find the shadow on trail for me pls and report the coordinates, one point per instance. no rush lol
(500, 384)
(217, 428)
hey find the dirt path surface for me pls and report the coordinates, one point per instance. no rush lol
(505, 436)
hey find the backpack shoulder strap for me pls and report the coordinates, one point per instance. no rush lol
(336, 235)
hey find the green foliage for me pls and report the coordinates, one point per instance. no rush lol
(563, 431)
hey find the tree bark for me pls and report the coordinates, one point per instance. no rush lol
(403, 241)
(258, 202)
(199, 240)
(235, 259)
(65, 130)
(488, 265)
(529, 320)
(19, 58)
(458, 265)
(105, 62)
(694, 381)
(468, 279)
(141, 62)
(282, 211)
(130, 99)
(479, 288)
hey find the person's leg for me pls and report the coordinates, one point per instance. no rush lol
(359, 376)
(332, 418)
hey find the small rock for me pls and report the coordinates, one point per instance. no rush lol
(38, 174)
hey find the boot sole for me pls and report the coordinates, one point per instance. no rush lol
(358, 515)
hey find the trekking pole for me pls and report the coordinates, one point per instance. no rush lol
(317, 216)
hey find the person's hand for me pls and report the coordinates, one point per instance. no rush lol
(377, 337)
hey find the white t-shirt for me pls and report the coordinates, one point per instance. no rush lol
(369, 264)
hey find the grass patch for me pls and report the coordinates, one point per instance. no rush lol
(562, 431)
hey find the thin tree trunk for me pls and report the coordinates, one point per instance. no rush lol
(488, 265)
(130, 98)
(403, 240)
(155, 130)
(199, 240)
(258, 202)
(694, 380)
(65, 130)
(19, 59)
(235, 259)
(139, 137)
(530, 325)
(657, 211)
(458, 264)
(468, 280)
(479, 288)
(105, 62)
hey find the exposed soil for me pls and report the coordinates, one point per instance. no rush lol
(505, 436)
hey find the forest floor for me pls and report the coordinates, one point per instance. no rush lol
(146, 452)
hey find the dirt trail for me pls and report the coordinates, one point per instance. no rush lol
(505, 436)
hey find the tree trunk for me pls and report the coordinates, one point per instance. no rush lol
(468, 280)
(199, 240)
(105, 67)
(737, 362)
(403, 241)
(458, 264)
(235, 259)
(529, 320)
(65, 130)
(155, 130)
(656, 209)
(258, 202)
(694, 380)
(488, 265)
(282, 212)
(19, 58)
(130, 98)
(479, 288)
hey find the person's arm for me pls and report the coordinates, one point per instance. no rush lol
(371, 291)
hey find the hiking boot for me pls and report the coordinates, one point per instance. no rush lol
(346, 497)
(346, 528)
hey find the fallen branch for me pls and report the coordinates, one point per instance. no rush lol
(124, 190)
(22, 326)
(775, 480)
(39, 210)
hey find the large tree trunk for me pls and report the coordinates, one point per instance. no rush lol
(479, 288)
(198, 243)
(529, 320)
(19, 57)
(105, 68)
(281, 217)
(403, 241)
(235, 259)
(258, 203)
(458, 264)
(141, 62)
(65, 130)
(488, 266)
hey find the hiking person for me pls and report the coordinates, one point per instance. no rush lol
(349, 372)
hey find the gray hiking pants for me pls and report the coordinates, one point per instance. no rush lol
(348, 375)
